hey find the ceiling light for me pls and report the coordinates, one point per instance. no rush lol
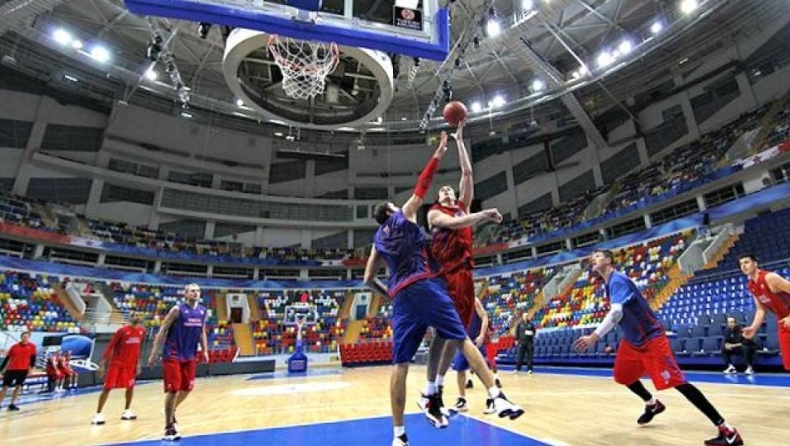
(499, 100)
(575, 75)
(492, 28)
(70, 77)
(656, 27)
(583, 70)
(688, 6)
(239, 103)
(380, 120)
(625, 47)
(76, 44)
(403, 118)
(604, 59)
(186, 115)
(61, 36)
(538, 85)
(151, 75)
(476, 107)
(100, 54)
(278, 134)
(527, 5)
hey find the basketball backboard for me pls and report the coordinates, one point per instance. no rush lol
(418, 28)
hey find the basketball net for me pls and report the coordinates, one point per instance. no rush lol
(300, 320)
(304, 64)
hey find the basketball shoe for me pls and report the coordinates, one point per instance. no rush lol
(504, 408)
(460, 405)
(445, 410)
(729, 370)
(400, 440)
(171, 434)
(128, 415)
(650, 412)
(430, 406)
(727, 437)
(13, 407)
(98, 419)
(489, 406)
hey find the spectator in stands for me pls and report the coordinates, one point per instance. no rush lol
(21, 357)
(525, 334)
(736, 344)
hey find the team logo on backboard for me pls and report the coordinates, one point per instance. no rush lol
(407, 18)
(407, 14)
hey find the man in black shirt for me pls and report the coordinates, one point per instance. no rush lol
(525, 335)
(736, 344)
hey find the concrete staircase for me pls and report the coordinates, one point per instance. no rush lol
(722, 252)
(222, 307)
(676, 280)
(255, 311)
(352, 332)
(67, 303)
(242, 336)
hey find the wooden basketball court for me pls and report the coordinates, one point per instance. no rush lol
(571, 409)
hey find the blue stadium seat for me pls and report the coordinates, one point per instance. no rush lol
(678, 346)
(699, 331)
(693, 345)
(711, 345)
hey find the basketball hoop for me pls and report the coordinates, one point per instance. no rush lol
(304, 64)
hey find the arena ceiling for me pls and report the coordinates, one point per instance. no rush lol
(536, 58)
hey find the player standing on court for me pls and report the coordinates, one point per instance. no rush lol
(451, 226)
(181, 332)
(770, 292)
(19, 359)
(645, 349)
(419, 301)
(123, 357)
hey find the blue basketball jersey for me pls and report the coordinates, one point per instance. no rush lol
(184, 334)
(401, 244)
(639, 323)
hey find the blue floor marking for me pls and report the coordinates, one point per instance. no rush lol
(463, 431)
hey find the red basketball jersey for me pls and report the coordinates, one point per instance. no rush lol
(125, 346)
(452, 247)
(777, 303)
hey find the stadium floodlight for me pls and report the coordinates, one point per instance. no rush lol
(100, 54)
(688, 6)
(62, 36)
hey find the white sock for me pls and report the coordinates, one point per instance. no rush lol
(496, 375)
(494, 391)
(439, 380)
(652, 402)
(399, 430)
(430, 388)
(727, 426)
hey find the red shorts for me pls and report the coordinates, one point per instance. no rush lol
(179, 375)
(55, 374)
(491, 352)
(69, 372)
(461, 287)
(119, 377)
(784, 345)
(654, 358)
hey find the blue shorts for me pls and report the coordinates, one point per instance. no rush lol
(420, 305)
(461, 364)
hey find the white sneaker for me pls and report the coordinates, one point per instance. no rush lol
(730, 369)
(504, 408)
(749, 371)
(128, 415)
(98, 419)
(432, 410)
(515, 371)
(530, 372)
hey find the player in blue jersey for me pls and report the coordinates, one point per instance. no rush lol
(182, 331)
(478, 330)
(419, 301)
(645, 349)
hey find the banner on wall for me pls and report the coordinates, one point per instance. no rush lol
(80, 346)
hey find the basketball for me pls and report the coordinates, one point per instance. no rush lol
(454, 112)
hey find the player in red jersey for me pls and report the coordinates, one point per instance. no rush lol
(69, 375)
(123, 357)
(19, 359)
(451, 227)
(771, 292)
(54, 374)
